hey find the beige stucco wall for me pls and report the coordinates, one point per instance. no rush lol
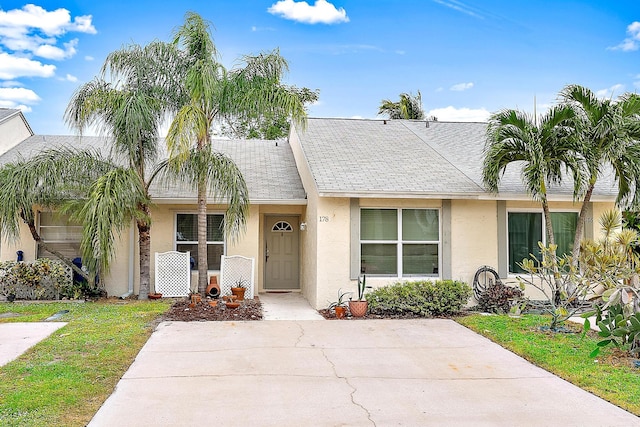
(13, 131)
(474, 237)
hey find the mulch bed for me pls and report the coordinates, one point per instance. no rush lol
(180, 311)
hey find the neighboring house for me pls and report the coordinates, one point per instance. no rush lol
(394, 199)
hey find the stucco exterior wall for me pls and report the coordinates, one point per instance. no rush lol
(474, 237)
(13, 131)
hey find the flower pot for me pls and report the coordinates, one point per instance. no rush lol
(358, 308)
(239, 293)
(196, 298)
(155, 295)
(232, 304)
(340, 312)
(213, 303)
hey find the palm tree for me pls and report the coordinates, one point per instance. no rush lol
(47, 180)
(408, 107)
(609, 133)
(544, 148)
(129, 108)
(215, 95)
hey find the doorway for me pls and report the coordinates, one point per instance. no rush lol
(282, 258)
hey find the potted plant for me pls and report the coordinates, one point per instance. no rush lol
(359, 307)
(339, 306)
(238, 290)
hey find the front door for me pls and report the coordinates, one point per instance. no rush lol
(281, 253)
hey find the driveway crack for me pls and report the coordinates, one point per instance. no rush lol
(353, 388)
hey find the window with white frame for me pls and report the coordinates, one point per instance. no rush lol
(525, 230)
(60, 234)
(187, 238)
(399, 242)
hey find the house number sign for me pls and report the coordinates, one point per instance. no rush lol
(324, 218)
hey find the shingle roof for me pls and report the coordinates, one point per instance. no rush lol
(7, 112)
(402, 157)
(269, 169)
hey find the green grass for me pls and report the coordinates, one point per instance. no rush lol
(564, 354)
(63, 380)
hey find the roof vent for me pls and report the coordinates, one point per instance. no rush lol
(384, 121)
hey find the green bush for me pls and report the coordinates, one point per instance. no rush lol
(421, 298)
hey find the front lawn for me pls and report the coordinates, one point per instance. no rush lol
(609, 376)
(63, 380)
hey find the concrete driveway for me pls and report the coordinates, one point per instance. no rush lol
(430, 372)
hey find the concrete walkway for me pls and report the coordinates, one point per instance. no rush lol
(16, 338)
(287, 306)
(430, 372)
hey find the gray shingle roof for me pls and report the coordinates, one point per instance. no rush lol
(269, 169)
(7, 112)
(402, 157)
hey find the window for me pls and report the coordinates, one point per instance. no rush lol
(59, 234)
(187, 238)
(399, 242)
(526, 230)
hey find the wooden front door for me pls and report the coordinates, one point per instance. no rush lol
(281, 253)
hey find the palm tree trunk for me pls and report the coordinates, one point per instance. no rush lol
(144, 243)
(580, 225)
(202, 236)
(551, 240)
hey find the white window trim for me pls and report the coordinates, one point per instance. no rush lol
(189, 242)
(544, 225)
(399, 242)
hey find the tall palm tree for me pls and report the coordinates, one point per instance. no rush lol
(130, 109)
(215, 95)
(544, 148)
(408, 107)
(609, 134)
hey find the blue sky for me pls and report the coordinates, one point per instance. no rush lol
(468, 58)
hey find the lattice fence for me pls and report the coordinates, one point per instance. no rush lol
(173, 274)
(235, 269)
(44, 289)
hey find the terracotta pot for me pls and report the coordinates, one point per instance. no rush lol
(232, 304)
(213, 303)
(155, 296)
(340, 312)
(358, 308)
(239, 293)
(192, 305)
(196, 298)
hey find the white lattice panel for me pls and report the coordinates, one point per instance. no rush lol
(236, 269)
(173, 274)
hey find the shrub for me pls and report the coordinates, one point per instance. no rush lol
(421, 298)
(497, 298)
(41, 279)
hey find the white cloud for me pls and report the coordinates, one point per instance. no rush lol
(89, 58)
(71, 78)
(461, 86)
(13, 67)
(453, 114)
(616, 89)
(33, 30)
(460, 7)
(18, 97)
(632, 42)
(51, 23)
(322, 12)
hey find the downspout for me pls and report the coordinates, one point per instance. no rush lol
(131, 262)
